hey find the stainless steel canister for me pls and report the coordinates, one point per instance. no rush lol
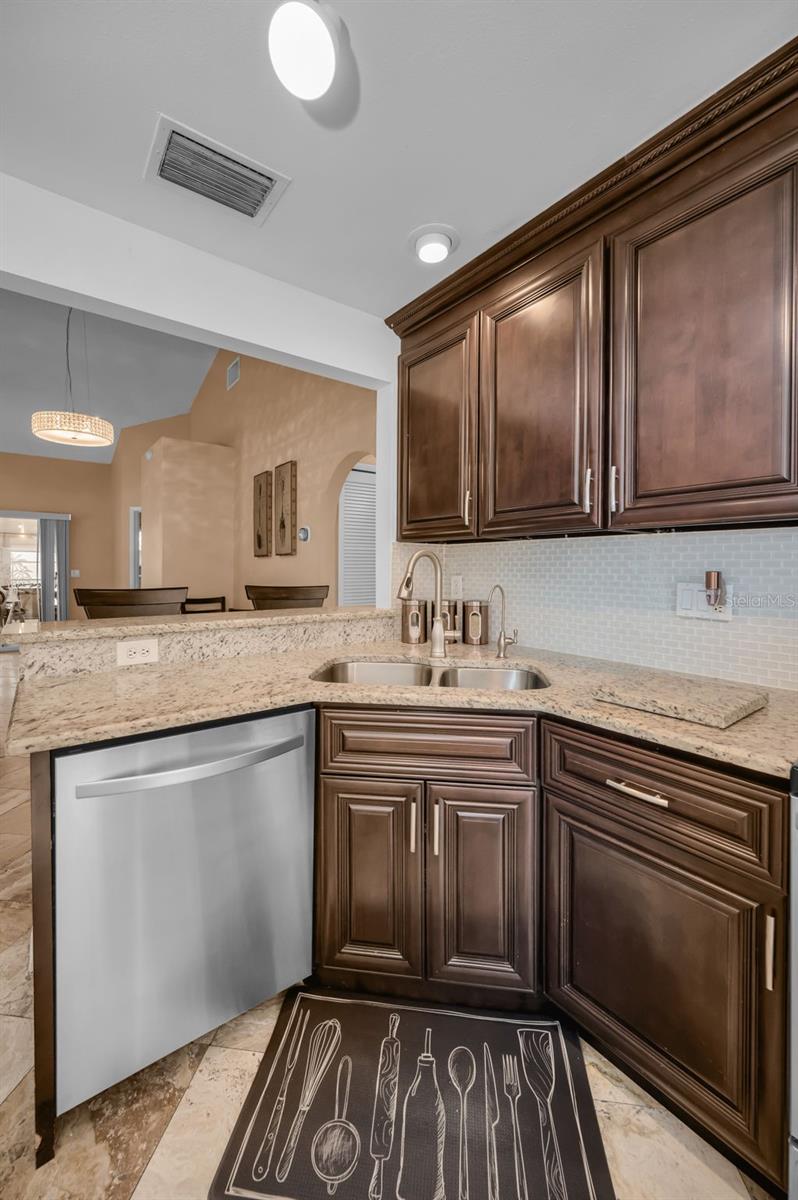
(414, 622)
(476, 622)
(452, 613)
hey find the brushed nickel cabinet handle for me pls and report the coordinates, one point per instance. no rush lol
(613, 489)
(628, 790)
(586, 503)
(436, 829)
(412, 826)
(468, 507)
(770, 952)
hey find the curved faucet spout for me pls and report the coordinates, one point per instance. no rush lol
(438, 638)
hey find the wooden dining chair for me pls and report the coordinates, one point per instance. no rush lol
(204, 604)
(131, 602)
(287, 597)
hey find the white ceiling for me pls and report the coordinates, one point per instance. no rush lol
(477, 113)
(135, 374)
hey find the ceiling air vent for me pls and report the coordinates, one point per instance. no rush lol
(190, 160)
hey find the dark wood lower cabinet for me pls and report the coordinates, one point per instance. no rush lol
(481, 879)
(369, 881)
(669, 965)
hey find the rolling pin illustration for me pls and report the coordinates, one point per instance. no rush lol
(384, 1116)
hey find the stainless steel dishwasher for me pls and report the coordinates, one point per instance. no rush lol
(183, 890)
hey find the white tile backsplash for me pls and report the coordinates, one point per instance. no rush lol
(614, 597)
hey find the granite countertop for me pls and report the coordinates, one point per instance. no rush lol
(59, 711)
(28, 633)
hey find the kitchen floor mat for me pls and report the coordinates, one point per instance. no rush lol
(376, 1099)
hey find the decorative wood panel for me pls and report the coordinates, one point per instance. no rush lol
(481, 885)
(370, 874)
(704, 401)
(541, 392)
(669, 970)
(438, 436)
(419, 745)
(710, 812)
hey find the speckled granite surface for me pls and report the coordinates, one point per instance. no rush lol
(684, 697)
(78, 709)
(74, 647)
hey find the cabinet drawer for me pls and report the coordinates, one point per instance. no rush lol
(414, 745)
(705, 811)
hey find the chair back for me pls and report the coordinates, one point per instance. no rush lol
(204, 604)
(130, 602)
(287, 597)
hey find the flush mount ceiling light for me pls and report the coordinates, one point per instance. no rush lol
(303, 44)
(433, 243)
(66, 426)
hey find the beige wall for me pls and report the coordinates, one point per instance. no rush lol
(272, 415)
(126, 483)
(188, 493)
(35, 484)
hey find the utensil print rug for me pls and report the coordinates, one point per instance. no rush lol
(369, 1099)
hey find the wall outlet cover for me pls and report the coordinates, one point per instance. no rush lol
(133, 651)
(691, 601)
(456, 587)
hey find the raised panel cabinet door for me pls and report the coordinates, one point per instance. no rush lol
(541, 391)
(438, 436)
(370, 876)
(704, 409)
(482, 886)
(681, 976)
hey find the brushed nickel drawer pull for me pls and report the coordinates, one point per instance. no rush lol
(412, 826)
(613, 489)
(436, 829)
(468, 507)
(770, 952)
(628, 790)
(588, 480)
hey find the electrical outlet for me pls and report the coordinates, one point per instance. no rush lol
(456, 587)
(133, 651)
(691, 601)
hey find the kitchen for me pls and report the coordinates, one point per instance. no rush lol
(516, 838)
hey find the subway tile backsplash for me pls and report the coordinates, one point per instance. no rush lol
(615, 597)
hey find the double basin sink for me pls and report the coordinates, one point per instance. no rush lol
(405, 674)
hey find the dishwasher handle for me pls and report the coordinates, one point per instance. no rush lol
(190, 774)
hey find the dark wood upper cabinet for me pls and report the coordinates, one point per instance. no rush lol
(438, 383)
(370, 876)
(481, 885)
(540, 399)
(704, 415)
(668, 963)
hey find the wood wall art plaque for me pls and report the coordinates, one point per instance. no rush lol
(262, 515)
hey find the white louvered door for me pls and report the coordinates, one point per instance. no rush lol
(357, 538)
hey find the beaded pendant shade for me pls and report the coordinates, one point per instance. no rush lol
(66, 426)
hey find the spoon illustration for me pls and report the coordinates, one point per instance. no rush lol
(462, 1072)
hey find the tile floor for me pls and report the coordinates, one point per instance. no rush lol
(160, 1134)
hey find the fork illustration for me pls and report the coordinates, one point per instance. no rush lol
(512, 1090)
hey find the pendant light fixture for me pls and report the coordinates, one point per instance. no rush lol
(66, 426)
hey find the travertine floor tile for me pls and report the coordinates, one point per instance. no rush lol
(13, 763)
(102, 1146)
(16, 985)
(190, 1151)
(15, 920)
(15, 880)
(16, 820)
(11, 798)
(16, 1053)
(610, 1084)
(12, 846)
(653, 1156)
(253, 1029)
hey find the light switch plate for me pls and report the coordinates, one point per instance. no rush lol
(691, 601)
(456, 587)
(74, 573)
(133, 651)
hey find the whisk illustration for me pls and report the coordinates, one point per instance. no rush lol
(322, 1048)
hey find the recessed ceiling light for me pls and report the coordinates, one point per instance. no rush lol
(302, 47)
(433, 243)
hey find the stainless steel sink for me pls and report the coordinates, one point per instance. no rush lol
(494, 679)
(404, 674)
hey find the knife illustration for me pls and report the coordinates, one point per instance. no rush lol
(491, 1121)
(264, 1156)
(384, 1115)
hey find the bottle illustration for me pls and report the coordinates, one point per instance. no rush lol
(423, 1134)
